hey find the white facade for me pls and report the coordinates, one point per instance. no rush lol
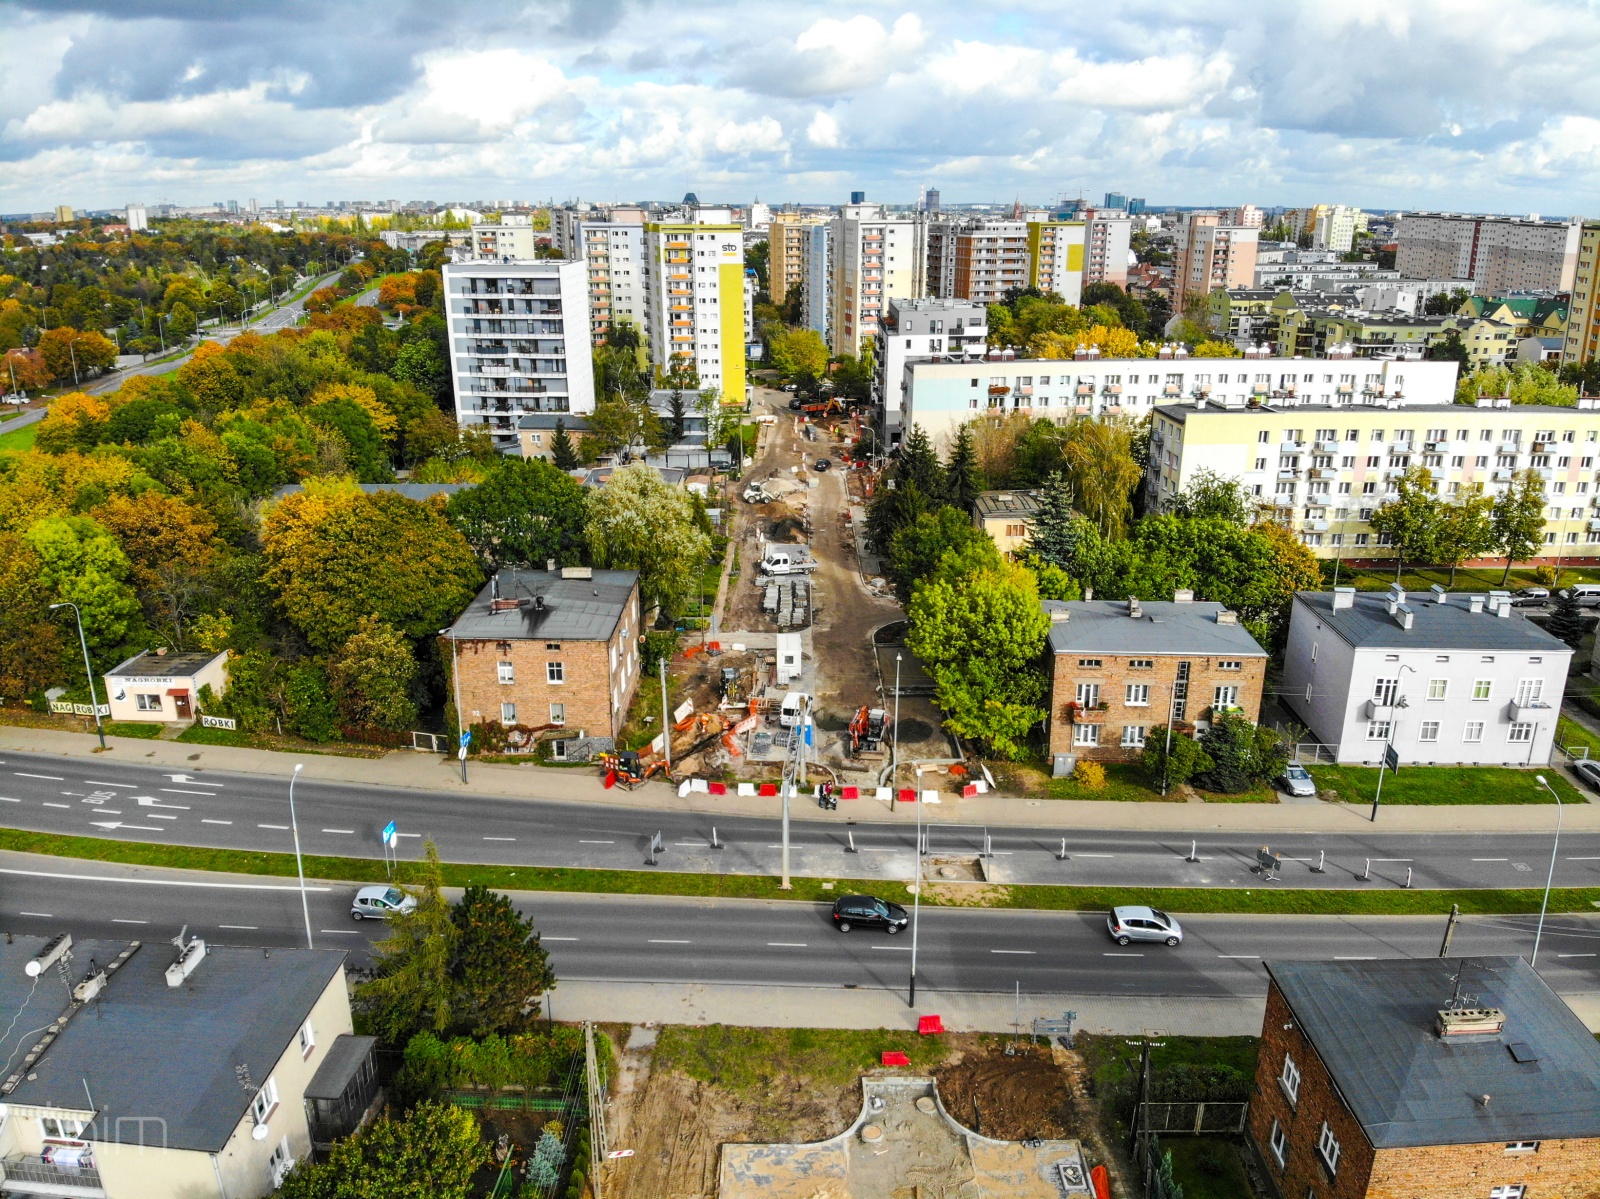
(923, 331)
(519, 341)
(751, 282)
(1107, 241)
(876, 256)
(694, 297)
(1467, 681)
(941, 396)
(1336, 226)
(496, 243)
(138, 218)
(613, 253)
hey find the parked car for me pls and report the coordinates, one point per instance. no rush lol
(796, 404)
(381, 903)
(866, 911)
(791, 387)
(822, 464)
(1530, 597)
(1587, 594)
(1589, 772)
(1131, 924)
(1297, 780)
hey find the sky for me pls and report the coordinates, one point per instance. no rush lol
(1472, 105)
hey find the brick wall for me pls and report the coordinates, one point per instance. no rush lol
(1114, 675)
(1556, 1170)
(599, 678)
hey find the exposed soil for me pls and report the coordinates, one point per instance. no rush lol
(1010, 1098)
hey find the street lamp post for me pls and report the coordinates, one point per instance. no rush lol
(1550, 877)
(894, 753)
(88, 671)
(455, 677)
(305, 906)
(916, 894)
(1388, 745)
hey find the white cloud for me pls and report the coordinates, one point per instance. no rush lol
(823, 132)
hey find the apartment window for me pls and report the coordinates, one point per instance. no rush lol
(308, 1039)
(1264, 436)
(1289, 1079)
(558, 713)
(1141, 663)
(1328, 1147)
(1429, 731)
(265, 1102)
(1230, 664)
(1384, 691)
(1520, 734)
(1280, 1143)
(1088, 694)
(1378, 730)
(508, 673)
(1509, 1191)
(1086, 734)
(1522, 1146)
(1089, 663)
(1437, 688)
(508, 713)
(1481, 688)
(1138, 695)
(147, 703)
(1133, 736)
(555, 672)
(61, 1128)
(1529, 691)
(1473, 732)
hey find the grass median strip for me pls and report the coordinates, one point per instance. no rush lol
(1379, 901)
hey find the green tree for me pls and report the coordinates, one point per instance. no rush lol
(1451, 349)
(1411, 522)
(639, 522)
(1213, 496)
(308, 707)
(915, 551)
(918, 466)
(797, 351)
(963, 479)
(364, 446)
(1171, 761)
(411, 988)
(1566, 619)
(1241, 752)
(563, 455)
(1518, 519)
(422, 364)
(526, 512)
(432, 1152)
(499, 969)
(180, 322)
(1466, 528)
(616, 424)
(335, 556)
(896, 506)
(371, 677)
(33, 641)
(1100, 466)
(1055, 523)
(981, 632)
(81, 563)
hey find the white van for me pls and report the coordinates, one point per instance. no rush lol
(1587, 594)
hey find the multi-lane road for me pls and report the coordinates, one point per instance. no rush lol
(237, 811)
(655, 939)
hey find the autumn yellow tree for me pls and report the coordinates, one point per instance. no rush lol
(77, 421)
(1111, 341)
(383, 420)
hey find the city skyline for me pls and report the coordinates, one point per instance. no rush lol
(154, 101)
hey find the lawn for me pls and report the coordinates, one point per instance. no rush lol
(132, 728)
(1467, 579)
(745, 1060)
(1183, 900)
(1126, 782)
(1207, 1167)
(1442, 785)
(20, 440)
(1575, 738)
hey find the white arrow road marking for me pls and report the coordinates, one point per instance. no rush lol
(113, 825)
(186, 778)
(150, 801)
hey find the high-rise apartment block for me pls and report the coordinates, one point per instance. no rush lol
(694, 289)
(875, 255)
(610, 244)
(1246, 216)
(510, 239)
(1107, 238)
(63, 214)
(1582, 339)
(1499, 254)
(1212, 254)
(786, 245)
(518, 342)
(138, 218)
(816, 279)
(1058, 259)
(925, 330)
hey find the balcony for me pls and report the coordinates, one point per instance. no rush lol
(1085, 389)
(1328, 447)
(1288, 473)
(1377, 709)
(1527, 713)
(1509, 447)
(1316, 526)
(1292, 447)
(1171, 389)
(32, 1175)
(494, 369)
(999, 389)
(1113, 389)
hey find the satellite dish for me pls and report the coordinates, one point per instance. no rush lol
(259, 1132)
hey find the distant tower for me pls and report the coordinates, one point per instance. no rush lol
(930, 202)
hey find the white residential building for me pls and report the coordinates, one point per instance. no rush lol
(512, 239)
(1107, 240)
(751, 283)
(1446, 679)
(925, 330)
(694, 297)
(613, 253)
(816, 279)
(1058, 256)
(1499, 254)
(1336, 227)
(519, 342)
(138, 218)
(875, 256)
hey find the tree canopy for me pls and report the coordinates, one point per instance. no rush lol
(637, 521)
(526, 512)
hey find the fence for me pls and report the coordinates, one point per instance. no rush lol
(1315, 753)
(432, 743)
(546, 1169)
(1191, 1119)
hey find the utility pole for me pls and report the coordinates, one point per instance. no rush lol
(916, 892)
(88, 671)
(894, 754)
(666, 717)
(1449, 930)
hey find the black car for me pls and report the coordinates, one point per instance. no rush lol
(864, 911)
(796, 404)
(822, 464)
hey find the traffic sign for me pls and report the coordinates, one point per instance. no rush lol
(466, 739)
(389, 833)
(462, 752)
(1391, 758)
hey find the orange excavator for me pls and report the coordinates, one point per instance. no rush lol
(627, 770)
(866, 732)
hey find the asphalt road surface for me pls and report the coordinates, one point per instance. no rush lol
(236, 811)
(627, 938)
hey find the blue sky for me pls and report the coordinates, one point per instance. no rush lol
(1461, 104)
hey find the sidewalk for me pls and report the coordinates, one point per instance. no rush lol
(410, 770)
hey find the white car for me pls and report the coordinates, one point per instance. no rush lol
(1130, 924)
(1297, 780)
(381, 903)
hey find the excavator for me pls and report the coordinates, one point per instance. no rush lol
(866, 731)
(627, 770)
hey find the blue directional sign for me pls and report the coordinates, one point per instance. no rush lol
(389, 833)
(466, 739)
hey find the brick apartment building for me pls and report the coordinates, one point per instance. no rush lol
(1122, 667)
(1438, 1078)
(550, 649)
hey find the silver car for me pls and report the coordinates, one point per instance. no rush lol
(381, 903)
(1130, 924)
(1297, 780)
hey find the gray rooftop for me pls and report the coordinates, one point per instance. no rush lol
(148, 662)
(344, 1057)
(1181, 412)
(412, 491)
(1165, 627)
(1007, 503)
(1451, 625)
(549, 420)
(1373, 1026)
(552, 608)
(168, 1052)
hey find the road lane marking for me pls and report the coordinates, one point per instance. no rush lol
(204, 820)
(1252, 957)
(349, 832)
(157, 816)
(182, 791)
(1028, 952)
(8, 799)
(121, 921)
(249, 928)
(42, 915)
(544, 938)
(54, 778)
(786, 944)
(662, 941)
(107, 812)
(1575, 955)
(339, 932)
(277, 828)
(1355, 959)
(691, 845)
(1392, 860)
(98, 783)
(901, 948)
(1491, 859)
(1122, 955)
(499, 838)
(582, 842)
(48, 804)
(1594, 859)
(1094, 855)
(152, 882)
(408, 834)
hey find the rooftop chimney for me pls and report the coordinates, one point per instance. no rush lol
(1440, 595)
(1469, 1021)
(1403, 615)
(1344, 597)
(1475, 604)
(189, 956)
(1133, 609)
(1059, 615)
(1398, 592)
(1227, 617)
(1183, 595)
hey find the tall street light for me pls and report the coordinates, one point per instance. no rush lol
(299, 868)
(894, 753)
(1561, 808)
(916, 893)
(455, 677)
(88, 671)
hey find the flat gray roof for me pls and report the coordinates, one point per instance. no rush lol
(1451, 625)
(177, 1053)
(1165, 627)
(148, 662)
(1007, 503)
(549, 420)
(577, 609)
(1180, 412)
(1373, 1025)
